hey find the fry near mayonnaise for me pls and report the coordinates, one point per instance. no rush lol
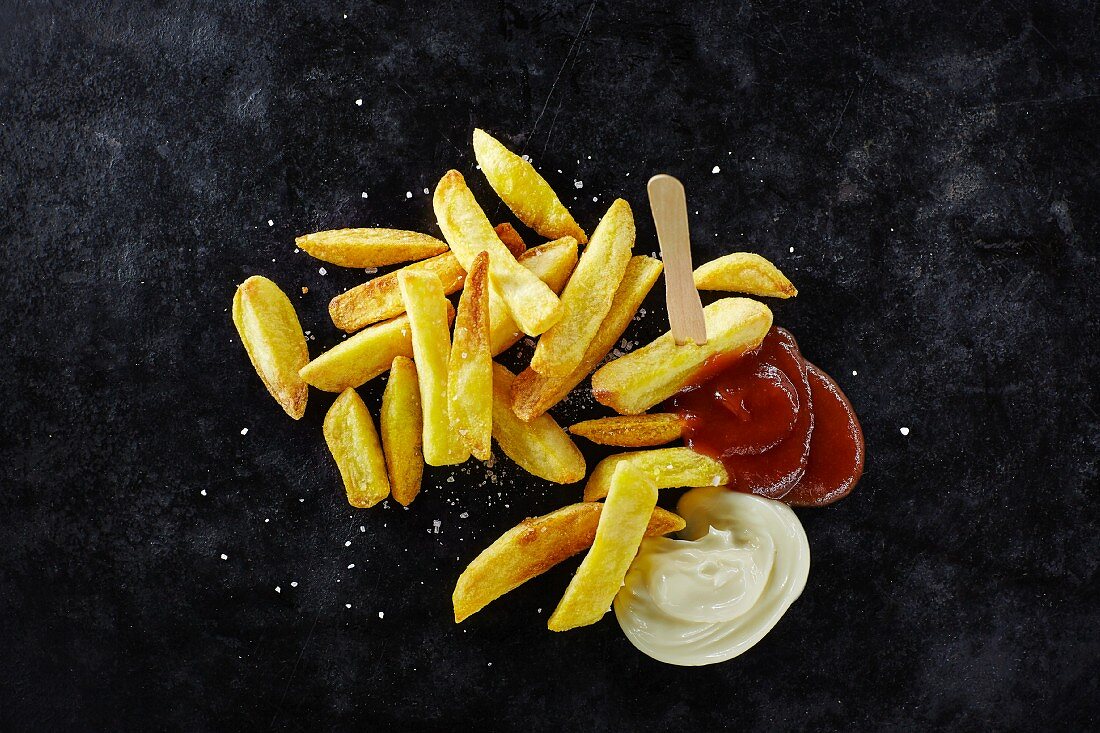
(667, 468)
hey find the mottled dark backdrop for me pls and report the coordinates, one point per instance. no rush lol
(926, 174)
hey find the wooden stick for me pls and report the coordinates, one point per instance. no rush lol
(685, 311)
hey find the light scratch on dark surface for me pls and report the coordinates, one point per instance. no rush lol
(546, 103)
(294, 670)
(840, 118)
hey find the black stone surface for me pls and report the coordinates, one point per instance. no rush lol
(925, 173)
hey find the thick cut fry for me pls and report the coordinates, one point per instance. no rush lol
(744, 272)
(426, 308)
(633, 383)
(525, 192)
(622, 525)
(470, 370)
(587, 297)
(511, 238)
(273, 338)
(534, 394)
(553, 263)
(353, 442)
(369, 247)
(530, 301)
(534, 546)
(402, 430)
(540, 447)
(380, 298)
(363, 356)
(631, 431)
(667, 468)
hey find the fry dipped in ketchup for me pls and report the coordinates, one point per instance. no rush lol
(780, 425)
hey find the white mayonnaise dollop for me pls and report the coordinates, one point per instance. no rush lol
(709, 596)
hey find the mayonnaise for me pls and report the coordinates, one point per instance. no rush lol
(711, 595)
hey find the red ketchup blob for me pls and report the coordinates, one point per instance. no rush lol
(781, 427)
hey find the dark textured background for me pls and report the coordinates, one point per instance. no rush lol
(933, 167)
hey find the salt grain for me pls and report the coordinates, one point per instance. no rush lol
(347, 544)
(294, 584)
(578, 184)
(270, 223)
(364, 194)
(244, 431)
(408, 194)
(351, 566)
(436, 524)
(347, 605)
(359, 103)
(715, 169)
(854, 372)
(381, 614)
(905, 431)
(322, 271)
(278, 589)
(203, 492)
(224, 556)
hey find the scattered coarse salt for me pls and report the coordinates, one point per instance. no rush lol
(244, 431)
(578, 184)
(270, 223)
(450, 480)
(347, 605)
(381, 614)
(322, 271)
(715, 169)
(362, 528)
(408, 194)
(351, 566)
(426, 191)
(347, 544)
(224, 556)
(436, 524)
(364, 194)
(464, 515)
(595, 199)
(370, 270)
(203, 492)
(359, 103)
(278, 589)
(792, 250)
(854, 372)
(905, 431)
(294, 584)
(526, 157)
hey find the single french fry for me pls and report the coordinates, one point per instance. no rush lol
(622, 525)
(552, 263)
(426, 307)
(380, 298)
(540, 447)
(273, 338)
(470, 369)
(362, 357)
(534, 546)
(667, 468)
(587, 297)
(631, 431)
(532, 304)
(511, 238)
(369, 247)
(744, 272)
(533, 394)
(353, 442)
(639, 380)
(525, 192)
(402, 425)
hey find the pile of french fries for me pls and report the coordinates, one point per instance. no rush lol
(446, 398)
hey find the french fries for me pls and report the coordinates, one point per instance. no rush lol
(363, 356)
(380, 298)
(470, 369)
(369, 247)
(552, 263)
(426, 308)
(588, 294)
(534, 546)
(622, 525)
(533, 394)
(744, 272)
(667, 468)
(525, 192)
(540, 447)
(631, 431)
(530, 301)
(402, 427)
(273, 337)
(637, 381)
(511, 238)
(353, 442)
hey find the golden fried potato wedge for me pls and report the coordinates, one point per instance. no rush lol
(402, 425)
(426, 307)
(627, 511)
(631, 431)
(534, 546)
(744, 272)
(363, 356)
(273, 337)
(552, 263)
(353, 442)
(369, 247)
(540, 447)
(525, 192)
(470, 369)
(667, 468)
(588, 294)
(532, 304)
(511, 238)
(380, 298)
(639, 380)
(533, 394)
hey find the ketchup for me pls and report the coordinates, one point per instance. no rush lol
(782, 427)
